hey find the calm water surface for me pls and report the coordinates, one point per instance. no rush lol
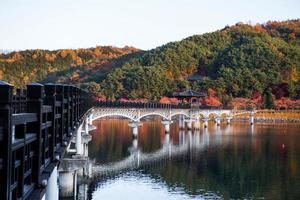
(228, 162)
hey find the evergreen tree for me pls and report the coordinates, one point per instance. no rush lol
(268, 100)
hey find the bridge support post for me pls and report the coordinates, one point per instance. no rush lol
(135, 128)
(167, 124)
(52, 186)
(205, 122)
(86, 125)
(197, 124)
(218, 121)
(252, 118)
(135, 131)
(135, 144)
(189, 124)
(67, 183)
(85, 139)
(228, 120)
(181, 137)
(167, 139)
(90, 119)
(78, 141)
(181, 122)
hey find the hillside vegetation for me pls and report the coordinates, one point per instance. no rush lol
(237, 61)
(65, 65)
(240, 61)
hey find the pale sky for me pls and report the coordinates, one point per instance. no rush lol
(145, 24)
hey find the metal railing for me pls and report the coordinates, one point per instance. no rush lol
(150, 105)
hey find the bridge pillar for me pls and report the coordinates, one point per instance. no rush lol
(90, 117)
(181, 122)
(135, 128)
(190, 139)
(218, 121)
(197, 138)
(78, 141)
(205, 140)
(52, 186)
(67, 183)
(181, 137)
(167, 140)
(135, 144)
(205, 122)
(85, 149)
(167, 124)
(228, 120)
(135, 131)
(86, 125)
(85, 139)
(189, 124)
(197, 124)
(252, 118)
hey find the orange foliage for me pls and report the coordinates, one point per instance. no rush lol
(50, 57)
(259, 28)
(167, 100)
(244, 103)
(75, 76)
(212, 101)
(211, 92)
(211, 98)
(17, 56)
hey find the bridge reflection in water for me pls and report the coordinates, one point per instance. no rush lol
(132, 155)
(138, 159)
(226, 161)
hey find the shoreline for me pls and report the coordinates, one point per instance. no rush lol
(268, 120)
(272, 116)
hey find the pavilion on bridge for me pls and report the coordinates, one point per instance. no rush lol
(191, 97)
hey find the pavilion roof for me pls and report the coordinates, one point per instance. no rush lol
(189, 93)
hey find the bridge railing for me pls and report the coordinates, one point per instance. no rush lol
(148, 105)
(35, 125)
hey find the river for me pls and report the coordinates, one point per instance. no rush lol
(236, 161)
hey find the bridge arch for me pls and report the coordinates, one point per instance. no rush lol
(224, 114)
(212, 115)
(95, 116)
(153, 114)
(178, 113)
(201, 115)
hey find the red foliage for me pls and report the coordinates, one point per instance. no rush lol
(256, 97)
(286, 103)
(212, 101)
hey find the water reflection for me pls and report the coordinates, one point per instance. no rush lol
(229, 161)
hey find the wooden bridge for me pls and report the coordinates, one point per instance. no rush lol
(35, 126)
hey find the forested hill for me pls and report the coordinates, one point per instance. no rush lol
(237, 61)
(65, 65)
